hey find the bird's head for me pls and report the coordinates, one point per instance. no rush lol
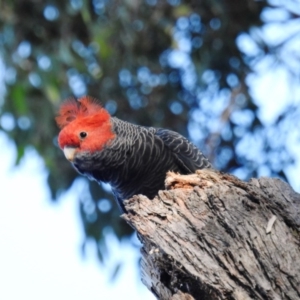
(85, 127)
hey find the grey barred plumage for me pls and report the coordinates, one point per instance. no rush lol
(132, 158)
(137, 159)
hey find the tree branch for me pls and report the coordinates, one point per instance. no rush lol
(213, 236)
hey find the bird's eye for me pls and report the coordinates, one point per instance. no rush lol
(82, 134)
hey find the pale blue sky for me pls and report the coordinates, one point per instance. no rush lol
(40, 242)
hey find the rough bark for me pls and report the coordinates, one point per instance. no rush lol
(213, 236)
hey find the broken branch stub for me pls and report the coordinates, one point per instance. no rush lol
(213, 236)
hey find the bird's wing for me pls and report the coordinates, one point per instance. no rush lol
(186, 154)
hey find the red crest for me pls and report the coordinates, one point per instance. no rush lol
(72, 109)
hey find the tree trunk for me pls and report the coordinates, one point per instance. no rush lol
(213, 236)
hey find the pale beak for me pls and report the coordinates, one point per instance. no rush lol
(69, 153)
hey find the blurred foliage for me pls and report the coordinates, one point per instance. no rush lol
(183, 65)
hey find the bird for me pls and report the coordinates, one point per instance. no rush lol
(133, 159)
